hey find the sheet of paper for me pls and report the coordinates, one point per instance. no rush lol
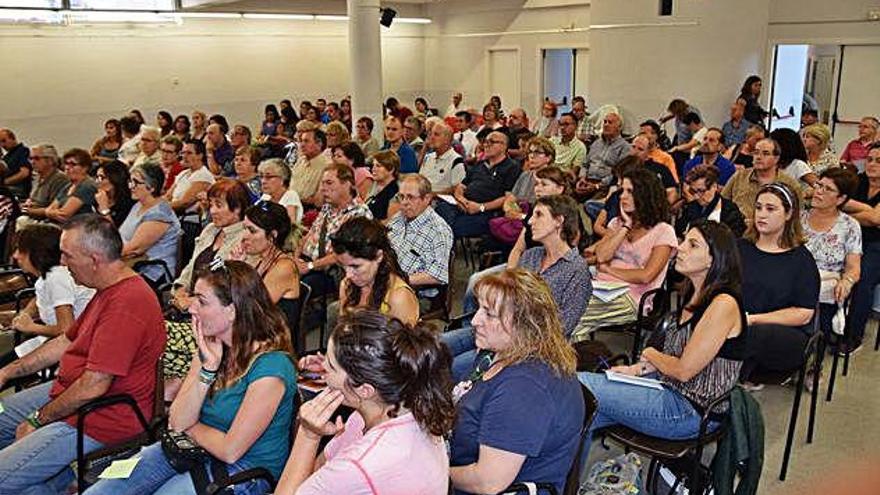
(120, 469)
(29, 346)
(634, 380)
(1, 408)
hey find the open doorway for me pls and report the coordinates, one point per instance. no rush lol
(563, 75)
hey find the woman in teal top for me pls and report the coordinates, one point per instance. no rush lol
(237, 400)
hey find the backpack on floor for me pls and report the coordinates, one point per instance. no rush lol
(621, 475)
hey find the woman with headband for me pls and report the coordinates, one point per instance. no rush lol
(780, 283)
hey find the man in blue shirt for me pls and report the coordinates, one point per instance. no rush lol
(710, 154)
(734, 130)
(394, 141)
(15, 165)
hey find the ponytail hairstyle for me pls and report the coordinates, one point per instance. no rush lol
(258, 327)
(408, 367)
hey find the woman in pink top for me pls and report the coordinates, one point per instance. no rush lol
(397, 380)
(636, 251)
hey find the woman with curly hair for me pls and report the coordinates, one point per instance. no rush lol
(373, 278)
(635, 251)
(396, 378)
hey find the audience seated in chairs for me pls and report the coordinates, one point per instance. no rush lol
(702, 351)
(373, 278)
(636, 251)
(113, 198)
(480, 196)
(421, 239)
(780, 283)
(520, 411)
(150, 230)
(864, 207)
(314, 256)
(835, 241)
(396, 378)
(79, 196)
(48, 183)
(386, 168)
(707, 203)
(112, 348)
(237, 399)
(58, 300)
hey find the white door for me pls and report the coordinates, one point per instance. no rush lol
(581, 63)
(504, 77)
(857, 93)
(559, 77)
(789, 78)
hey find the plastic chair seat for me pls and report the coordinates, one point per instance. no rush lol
(659, 447)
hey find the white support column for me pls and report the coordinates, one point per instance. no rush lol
(365, 62)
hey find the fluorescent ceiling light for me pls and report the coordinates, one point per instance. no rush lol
(208, 15)
(290, 17)
(413, 20)
(118, 16)
(30, 16)
(331, 17)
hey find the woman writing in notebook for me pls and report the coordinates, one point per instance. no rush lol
(702, 353)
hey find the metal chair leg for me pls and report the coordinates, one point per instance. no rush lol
(792, 423)
(814, 393)
(846, 361)
(833, 377)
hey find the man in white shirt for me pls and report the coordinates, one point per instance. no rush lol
(456, 106)
(131, 139)
(465, 133)
(443, 167)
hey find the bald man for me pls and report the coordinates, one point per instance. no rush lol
(443, 167)
(15, 164)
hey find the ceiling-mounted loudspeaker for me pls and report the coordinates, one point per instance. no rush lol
(387, 16)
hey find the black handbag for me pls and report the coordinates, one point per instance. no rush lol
(182, 453)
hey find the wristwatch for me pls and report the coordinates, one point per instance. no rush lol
(482, 208)
(34, 419)
(310, 265)
(104, 212)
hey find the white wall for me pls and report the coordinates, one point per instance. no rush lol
(61, 83)
(702, 53)
(462, 32)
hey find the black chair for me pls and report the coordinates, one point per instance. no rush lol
(683, 457)
(161, 286)
(646, 319)
(572, 481)
(440, 305)
(838, 340)
(90, 465)
(293, 310)
(814, 349)
(217, 487)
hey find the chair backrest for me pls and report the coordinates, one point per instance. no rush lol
(591, 406)
(294, 321)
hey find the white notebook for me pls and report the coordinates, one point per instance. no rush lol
(634, 380)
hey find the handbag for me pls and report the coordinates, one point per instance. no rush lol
(181, 451)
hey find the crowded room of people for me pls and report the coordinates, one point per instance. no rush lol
(424, 247)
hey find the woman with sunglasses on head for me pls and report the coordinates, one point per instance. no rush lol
(237, 399)
(151, 229)
(373, 278)
(396, 378)
(780, 283)
(113, 198)
(702, 352)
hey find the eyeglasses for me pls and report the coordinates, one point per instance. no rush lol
(537, 152)
(407, 197)
(764, 153)
(71, 162)
(698, 192)
(269, 176)
(825, 188)
(135, 182)
(170, 152)
(495, 141)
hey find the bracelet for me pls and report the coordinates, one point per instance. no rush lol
(207, 377)
(33, 419)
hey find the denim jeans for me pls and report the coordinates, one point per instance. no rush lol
(463, 347)
(154, 475)
(38, 464)
(659, 413)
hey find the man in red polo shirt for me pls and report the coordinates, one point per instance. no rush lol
(112, 348)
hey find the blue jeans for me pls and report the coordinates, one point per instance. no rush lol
(153, 474)
(659, 413)
(39, 463)
(462, 224)
(463, 347)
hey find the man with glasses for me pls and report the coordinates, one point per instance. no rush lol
(443, 167)
(169, 151)
(480, 196)
(571, 153)
(15, 166)
(743, 187)
(305, 175)
(707, 203)
(412, 134)
(149, 146)
(419, 236)
(50, 182)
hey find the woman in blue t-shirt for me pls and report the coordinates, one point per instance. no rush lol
(236, 402)
(520, 412)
